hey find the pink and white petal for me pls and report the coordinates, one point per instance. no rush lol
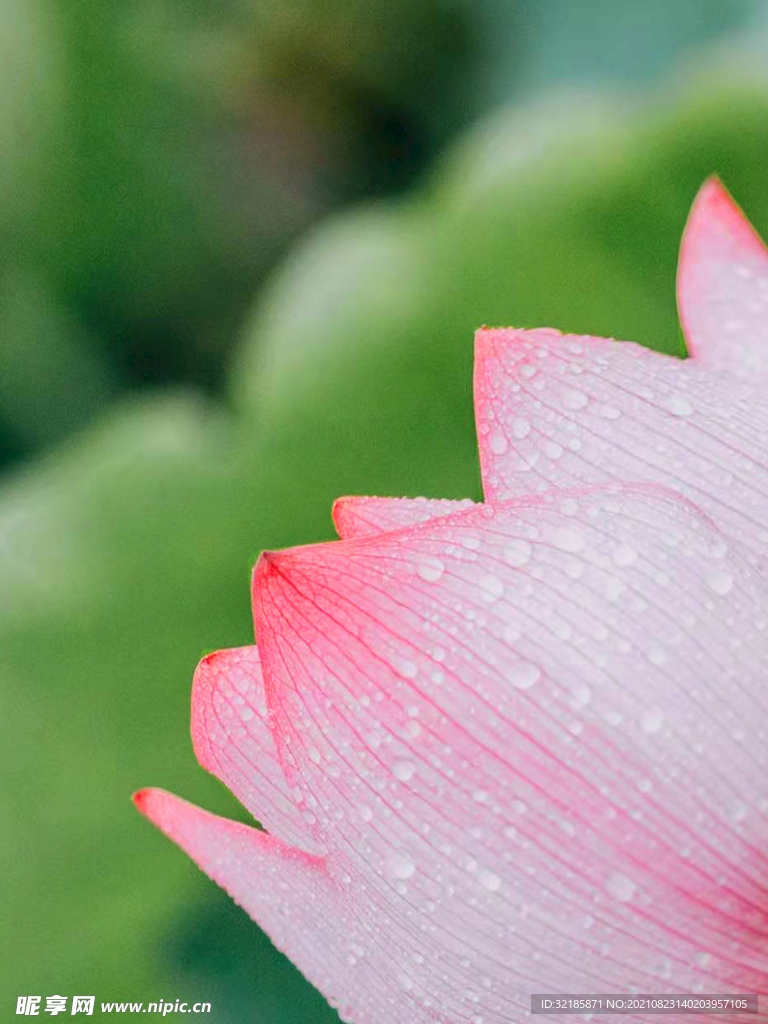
(324, 929)
(534, 736)
(722, 286)
(557, 411)
(364, 516)
(232, 740)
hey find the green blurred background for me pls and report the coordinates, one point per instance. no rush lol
(245, 246)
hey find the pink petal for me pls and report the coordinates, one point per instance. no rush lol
(559, 411)
(722, 287)
(231, 737)
(534, 740)
(333, 930)
(288, 891)
(363, 517)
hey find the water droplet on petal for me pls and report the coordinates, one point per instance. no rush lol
(403, 770)
(517, 553)
(492, 588)
(624, 556)
(575, 399)
(568, 539)
(581, 695)
(652, 720)
(524, 674)
(512, 633)
(430, 569)
(489, 880)
(399, 865)
(620, 887)
(678, 405)
(610, 412)
(720, 582)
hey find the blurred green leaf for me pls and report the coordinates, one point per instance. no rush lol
(53, 377)
(30, 104)
(600, 40)
(158, 156)
(125, 556)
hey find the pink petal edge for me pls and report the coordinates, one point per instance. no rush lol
(722, 286)
(356, 516)
(563, 411)
(232, 740)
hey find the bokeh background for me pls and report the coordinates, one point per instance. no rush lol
(244, 248)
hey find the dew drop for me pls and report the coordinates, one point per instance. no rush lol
(721, 583)
(512, 633)
(610, 412)
(657, 656)
(568, 539)
(614, 588)
(411, 730)
(492, 588)
(489, 880)
(403, 770)
(581, 695)
(430, 569)
(624, 556)
(575, 399)
(620, 887)
(678, 405)
(652, 720)
(517, 553)
(575, 569)
(400, 866)
(524, 674)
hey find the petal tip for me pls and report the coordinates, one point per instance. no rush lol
(165, 810)
(266, 565)
(715, 208)
(146, 800)
(721, 278)
(339, 512)
(269, 577)
(212, 675)
(713, 190)
(713, 204)
(203, 686)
